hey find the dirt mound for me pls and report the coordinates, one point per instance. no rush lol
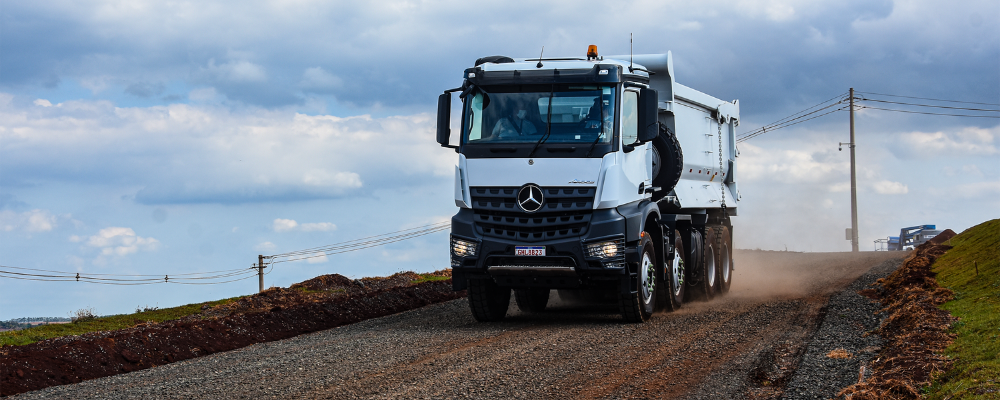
(275, 314)
(325, 282)
(915, 331)
(943, 237)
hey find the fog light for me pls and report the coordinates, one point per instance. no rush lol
(603, 249)
(462, 248)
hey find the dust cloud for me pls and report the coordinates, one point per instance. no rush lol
(762, 274)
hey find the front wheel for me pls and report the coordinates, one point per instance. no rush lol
(638, 305)
(488, 301)
(673, 295)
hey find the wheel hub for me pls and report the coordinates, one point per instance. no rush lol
(677, 272)
(647, 274)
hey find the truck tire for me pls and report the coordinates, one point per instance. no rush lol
(724, 262)
(488, 301)
(668, 162)
(708, 285)
(638, 306)
(693, 265)
(531, 300)
(672, 295)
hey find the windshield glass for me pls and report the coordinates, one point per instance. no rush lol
(579, 114)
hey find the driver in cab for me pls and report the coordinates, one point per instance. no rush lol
(514, 125)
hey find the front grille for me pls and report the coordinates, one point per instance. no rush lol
(565, 212)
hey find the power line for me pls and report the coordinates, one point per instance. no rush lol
(364, 240)
(359, 244)
(184, 279)
(761, 132)
(927, 98)
(137, 275)
(788, 121)
(811, 112)
(929, 105)
(929, 113)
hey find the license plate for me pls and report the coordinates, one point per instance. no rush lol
(529, 250)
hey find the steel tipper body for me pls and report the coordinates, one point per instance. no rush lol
(593, 173)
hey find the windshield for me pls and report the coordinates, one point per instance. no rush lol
(578, 114)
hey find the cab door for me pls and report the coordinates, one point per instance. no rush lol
(635, 163)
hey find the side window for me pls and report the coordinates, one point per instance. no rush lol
(630, 117)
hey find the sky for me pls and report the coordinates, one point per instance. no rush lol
(164, 138)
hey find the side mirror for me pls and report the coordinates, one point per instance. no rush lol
(444, 119)
(648, 128)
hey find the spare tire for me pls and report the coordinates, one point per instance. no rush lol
(668, 162)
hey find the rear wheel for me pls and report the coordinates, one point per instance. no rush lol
(638, 306)
(725, 261)
(488, 301)
(531, 300)
(707, 284)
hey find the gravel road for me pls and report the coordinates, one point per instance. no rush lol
(747, 344)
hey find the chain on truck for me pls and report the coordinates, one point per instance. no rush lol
(595, 176)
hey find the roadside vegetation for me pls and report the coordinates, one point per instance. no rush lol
(321, 287)
(84, 321)
(436, 276)
(972, 270)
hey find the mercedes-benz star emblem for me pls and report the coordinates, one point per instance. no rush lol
(530, 198)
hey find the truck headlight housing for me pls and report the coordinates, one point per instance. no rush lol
(609, 249)
(463, 248)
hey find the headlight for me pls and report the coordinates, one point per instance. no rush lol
(604, 249)
(462, 248)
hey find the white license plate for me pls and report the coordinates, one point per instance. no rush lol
(529, 250)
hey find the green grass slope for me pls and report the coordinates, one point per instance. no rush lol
(109, 323)
(976, 350)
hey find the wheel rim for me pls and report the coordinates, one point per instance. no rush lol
(726, 267)
(647, 274)
(710, 265)
(677, 273)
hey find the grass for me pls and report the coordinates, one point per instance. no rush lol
(96, 324)
(431, 278)
(976, 350)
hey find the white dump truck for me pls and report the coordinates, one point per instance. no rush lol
(589, 175)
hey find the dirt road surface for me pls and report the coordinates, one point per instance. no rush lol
(705, 350)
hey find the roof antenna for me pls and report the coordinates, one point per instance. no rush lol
(539, 65)
(630, 52)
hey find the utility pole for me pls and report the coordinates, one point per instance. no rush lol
(260, 267)
(854, 187)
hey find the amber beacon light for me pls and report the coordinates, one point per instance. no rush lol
(592, 52)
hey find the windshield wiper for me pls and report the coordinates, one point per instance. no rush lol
(548, 123)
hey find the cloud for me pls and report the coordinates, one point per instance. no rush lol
(316, 79)
(317, 258)
(144, 89)
(790, 166)
(890, 187)
(29, 221)
(43, 103)
(286, 225)
(965, 142)
(190, 154)
(234, 71)
(265, 246)
(808, 48)
(117, 241)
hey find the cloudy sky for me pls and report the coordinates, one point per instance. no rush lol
(151, 137)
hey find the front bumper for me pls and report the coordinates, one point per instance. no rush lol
(567, 263)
